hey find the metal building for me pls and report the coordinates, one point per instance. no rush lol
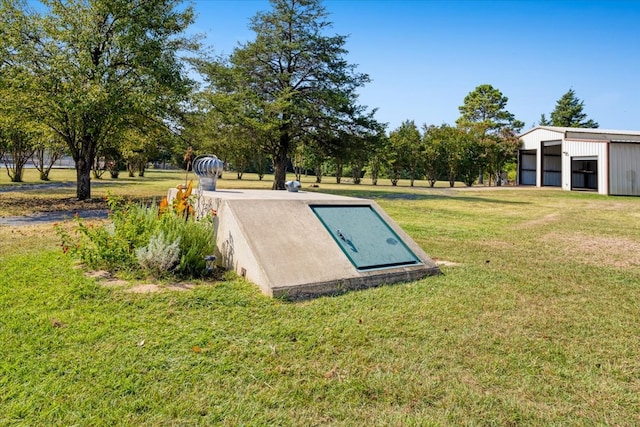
(599, 160)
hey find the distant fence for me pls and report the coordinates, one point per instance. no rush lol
(65, 162)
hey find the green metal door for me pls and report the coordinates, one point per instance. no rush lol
(364, 237)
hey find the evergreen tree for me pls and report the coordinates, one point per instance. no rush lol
(291, 84)
(568, 113)
(484, 115)
(484, 110)
(544, 121)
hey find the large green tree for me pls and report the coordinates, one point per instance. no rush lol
(432, 153)
(484, 114)
(405, 152)
(453, 152)
(19, 144)
(94, 67)
(569, 113)
(485, 111)
(292, 83)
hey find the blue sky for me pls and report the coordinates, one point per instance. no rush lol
(425, 56)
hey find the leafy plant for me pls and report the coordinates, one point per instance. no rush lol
(141, 239)
(196, 240)
(160, 256)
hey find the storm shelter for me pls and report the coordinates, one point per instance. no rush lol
(303, 244)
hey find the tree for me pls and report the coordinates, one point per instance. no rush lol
(456, 152)
(291, 83)
(500, 150)
(568, 113)
(376, 156)
(484, 110)
(484, 114)
(363, 152)
(94, 67)
(47, 151)
(20, 145)
(432, 154)
(405, 153)
(544, 121)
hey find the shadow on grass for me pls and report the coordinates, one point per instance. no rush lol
(424, 194)
(50, 217)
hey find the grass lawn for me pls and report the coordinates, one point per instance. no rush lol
(537, 323)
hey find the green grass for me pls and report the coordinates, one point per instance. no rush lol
(537, 325)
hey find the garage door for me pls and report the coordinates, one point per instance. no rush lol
(528, 167)
(624, 169)
(584, 173)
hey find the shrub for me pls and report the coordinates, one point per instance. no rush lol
(160, 256)
(140, 239)
(196, 240)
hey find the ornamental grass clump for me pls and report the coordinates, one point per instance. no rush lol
(141, 240)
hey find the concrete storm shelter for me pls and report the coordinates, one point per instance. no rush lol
(300, 244)
(598, 160)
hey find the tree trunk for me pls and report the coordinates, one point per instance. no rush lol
(318, 171)
(280, 166)
(357, 174)
(374, 173)
(279, 170)
(83, 179)
(15, 173)
(20, 155)
(339, 168)
(38, 158)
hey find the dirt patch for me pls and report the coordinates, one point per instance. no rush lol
(105, 278)
(19, 204)
(152, 287)
(144, 289)
(98, 274)
(609, 206)
(184, 286)
(445, 263)
(114, 283)
(552, 217)
(599, 250)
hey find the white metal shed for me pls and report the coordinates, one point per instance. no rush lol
(602, 160)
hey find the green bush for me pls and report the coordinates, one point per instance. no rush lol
(195, 239)
(140, 240)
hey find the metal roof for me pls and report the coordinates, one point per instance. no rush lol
(591, 133)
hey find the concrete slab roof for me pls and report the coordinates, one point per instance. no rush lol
(276, 240)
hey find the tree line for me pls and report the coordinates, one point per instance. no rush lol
(111, 83)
